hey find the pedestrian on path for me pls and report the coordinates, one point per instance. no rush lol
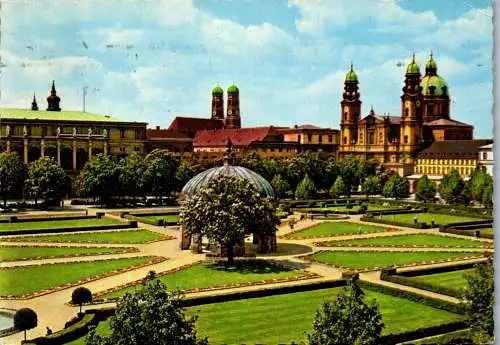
(49, 331)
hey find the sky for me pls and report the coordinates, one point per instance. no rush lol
(152, 60)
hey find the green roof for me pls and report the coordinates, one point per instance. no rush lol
(435, 81)
(413, 68)
(431, 64)
(351, 76)
(233, 89)
(26, 114)
(217, 91)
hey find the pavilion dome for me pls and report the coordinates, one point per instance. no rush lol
(203, 179)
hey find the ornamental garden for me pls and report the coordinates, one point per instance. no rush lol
(252, 266)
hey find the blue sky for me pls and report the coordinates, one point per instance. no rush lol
(152, 60)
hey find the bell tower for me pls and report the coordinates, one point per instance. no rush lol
(350, 112)
(411, 128)
(53, 100)
(217, 103)
(233, 119)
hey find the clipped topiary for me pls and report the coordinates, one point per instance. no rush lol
(25, 319)
(80, 296)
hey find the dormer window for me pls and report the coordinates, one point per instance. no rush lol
(432, 89)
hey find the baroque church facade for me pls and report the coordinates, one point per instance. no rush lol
(395, 141)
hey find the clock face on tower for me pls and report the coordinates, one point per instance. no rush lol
(214, 112)
(229, 112)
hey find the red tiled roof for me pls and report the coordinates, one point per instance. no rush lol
(396, 120)
(191, 125)
(239, 137)
(164, 134)
(446, 122)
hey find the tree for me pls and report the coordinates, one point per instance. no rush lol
(185, 172)
(47, 180)
(280, 186)
(396, 187)
(452, 188)
(227, 209)
(371, 186)
(306, 189)
(152, 316)
(159, 174)
(477, 184)
(349, 170)
(131, 169)
(25, 319)
(487, 199)
(80, 296)
(12, 175)
(425, 189)
(347, 320)
(100, 177)
(338, 188)
(479, 299)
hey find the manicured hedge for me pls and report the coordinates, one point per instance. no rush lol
(158, 222)
(322, 202)
(269, 291)
(471, 233)
(432, 302)
(419, 333)
(129, 225)
(478, 224)
(393, 211)
(395, 223)
(45, 218)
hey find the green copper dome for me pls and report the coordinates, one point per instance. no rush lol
(431, 64)
(233, 89)
(351, 75)
(413, 68)
(217, 91)
(439, 84)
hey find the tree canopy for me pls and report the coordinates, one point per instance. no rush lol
(151, 316)
(338, 188)
(227, 209)
(396, 187)
(100, 178)
(306, 189)
(12, 175)
(371, 186)
(347, 320)
(452, 188)
(25, 319)
(47, 179)
(280, 186)
(425, 189)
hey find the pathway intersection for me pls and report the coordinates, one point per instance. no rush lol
(53, 310)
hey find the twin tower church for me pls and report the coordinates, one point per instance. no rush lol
(396, 140)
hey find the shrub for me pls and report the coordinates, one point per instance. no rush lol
(80, 296)
(25, 319)
(306, 189)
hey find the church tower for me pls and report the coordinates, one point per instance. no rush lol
(34, 104)
(217, 103)
(53, 100)
(436, 99)
(233, 119)
(350, 112)
(411, 113)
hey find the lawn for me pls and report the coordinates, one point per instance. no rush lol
(30, 279)
(122, 236)
(285, 318)
(208, 274)
(428, 217)
(58, 224)
(330, 229)
(165, 217)
(26, 253)
(453, 280)
(368, 260)
(488, 231)
(418, 240)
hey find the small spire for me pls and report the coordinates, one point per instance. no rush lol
(352, 66)
(431, 54)
(413, 56)
(53, 90)
(372, 112)
(34, 105)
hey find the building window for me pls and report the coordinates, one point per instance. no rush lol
(345, 115)
(44, 131)
(430, 109)
(298, 138)
(406, 139)
(381, 138)
(122, 133)
(360, 138)
(309, 138)
(320, 139)
(432, 89)
(485, 155)
(345, 140)
(407, 111)
(330, 139)
(371, 138)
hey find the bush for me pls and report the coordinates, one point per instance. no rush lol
(306, 189)
(25, 319)
(80, 296)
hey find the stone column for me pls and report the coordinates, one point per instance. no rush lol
(90, 149)
(25, 151)
(58, 151)
(74, 154)
(42, 147)
(185, 239)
